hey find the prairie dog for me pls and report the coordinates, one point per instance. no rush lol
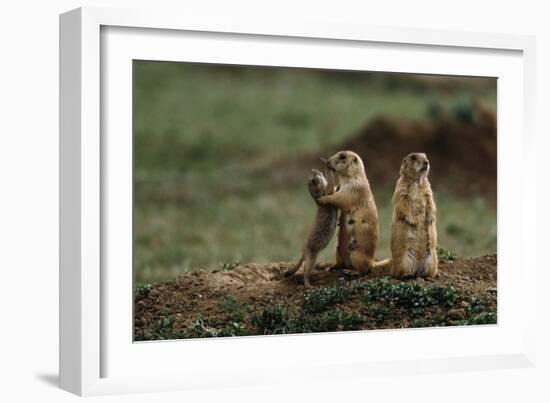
(413, 231)
(358, 214)
(322, 230)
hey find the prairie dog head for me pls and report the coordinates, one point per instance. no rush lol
(415, 166)
(317, 184)
(347, 164)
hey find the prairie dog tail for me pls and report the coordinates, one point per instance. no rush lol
(386, 263)
(294, 269)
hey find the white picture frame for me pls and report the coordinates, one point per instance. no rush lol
(96, 354)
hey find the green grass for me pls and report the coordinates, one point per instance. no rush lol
(204, 135)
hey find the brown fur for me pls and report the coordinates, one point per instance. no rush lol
(414, 235)
(358, 224)
(322, 229)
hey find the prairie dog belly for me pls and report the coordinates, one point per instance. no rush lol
(344, 239)
(418, 234)
(323, 228)
(418, 256)
(418, 251)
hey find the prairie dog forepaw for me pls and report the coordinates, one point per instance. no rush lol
(409, 220)
(323, 199)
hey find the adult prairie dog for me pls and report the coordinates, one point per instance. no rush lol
(414, 235)
(322, 230)
(358, 214)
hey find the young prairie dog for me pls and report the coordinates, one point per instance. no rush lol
(413, 232)
(358, 224)
(322, 230)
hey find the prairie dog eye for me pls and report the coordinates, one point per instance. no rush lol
(342, 156)
(413, 158)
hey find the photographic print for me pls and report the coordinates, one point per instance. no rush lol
(279, 200)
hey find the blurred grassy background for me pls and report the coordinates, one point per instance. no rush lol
(203, 135)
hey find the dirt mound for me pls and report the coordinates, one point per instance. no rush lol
(256, 299)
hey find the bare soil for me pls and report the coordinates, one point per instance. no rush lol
(257, 287)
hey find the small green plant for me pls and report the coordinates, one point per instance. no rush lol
(448, 296)
(478, 314)
(320, 299)
(203, 328)
(332, 320)
(144, 336)
(417, 322)
(236, 310)
(233, 329)
(476, 306)
(445, 254)
(410, 294)
(143, 290)
(230, 266)
(418, 311)
(483, 318)
(163, 329)
(355, 286)
(379, 311)
(278, 321)
(272, 320)
(399, 293)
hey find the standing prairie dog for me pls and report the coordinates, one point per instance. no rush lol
(358, 232)
(322, 230)
(413, 231)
